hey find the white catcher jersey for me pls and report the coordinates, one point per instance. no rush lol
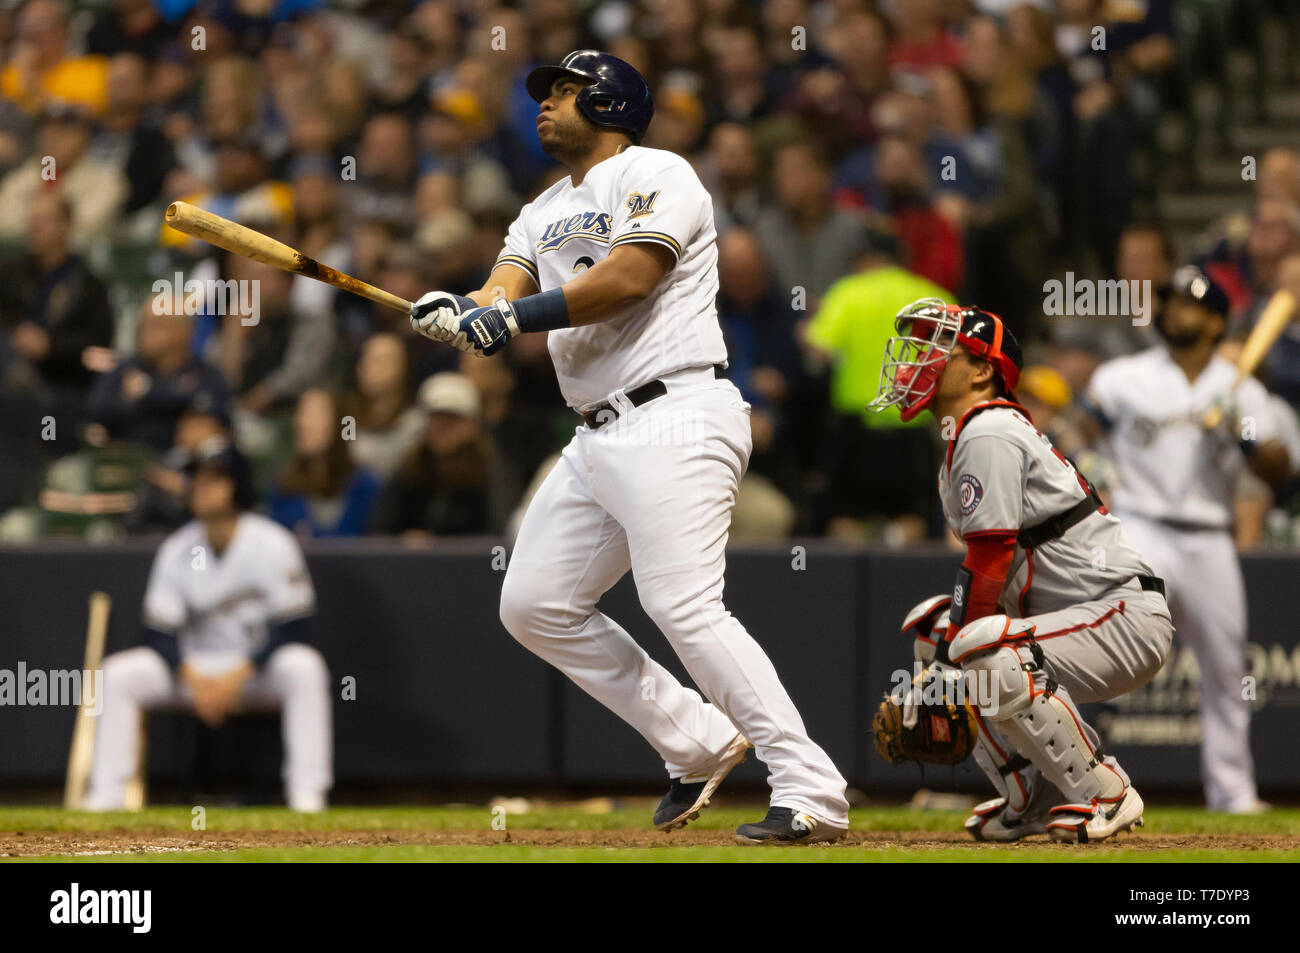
(1004, 476)
(220, 608)
(1169, 468)
(638, 195)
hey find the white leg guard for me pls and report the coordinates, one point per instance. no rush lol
(1038, 718)
(1012, 774)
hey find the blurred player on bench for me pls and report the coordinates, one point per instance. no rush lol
(226, 617)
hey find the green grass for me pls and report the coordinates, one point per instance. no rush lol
(177, 820)
(701, 855)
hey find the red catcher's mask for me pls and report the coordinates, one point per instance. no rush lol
(928, 330)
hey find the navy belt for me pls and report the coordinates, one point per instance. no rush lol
(606, 413)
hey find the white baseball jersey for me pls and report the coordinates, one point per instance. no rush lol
(1003, 476)
(1169, 467)
(638, 195)
(220, 608)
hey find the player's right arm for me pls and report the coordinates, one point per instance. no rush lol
(1094, 413)
(164, 603)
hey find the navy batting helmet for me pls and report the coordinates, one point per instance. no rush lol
(219, 454)
(1190, 282)
(614, 94)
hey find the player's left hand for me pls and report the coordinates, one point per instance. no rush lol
(437, 316)
(489, 329)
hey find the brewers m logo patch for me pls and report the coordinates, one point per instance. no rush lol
(639, 205)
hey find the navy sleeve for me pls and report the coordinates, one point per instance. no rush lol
(294, 630)
(164, 643)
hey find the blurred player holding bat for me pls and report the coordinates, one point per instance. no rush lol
(1179, 422)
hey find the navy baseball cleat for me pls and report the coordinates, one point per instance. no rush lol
(785, 826)
(686, 797)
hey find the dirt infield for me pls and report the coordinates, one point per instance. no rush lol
(98, 843)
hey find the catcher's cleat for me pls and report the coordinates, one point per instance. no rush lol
(1088, 823)
(991, 821)
(686, 797)
(785, 826)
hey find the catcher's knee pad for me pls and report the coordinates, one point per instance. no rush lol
(986, 634)
(1010, 773)
(998, 683)
(1049, 731)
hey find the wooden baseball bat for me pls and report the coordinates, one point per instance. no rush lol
(242, 240)
(83, 735)
(1272, 322)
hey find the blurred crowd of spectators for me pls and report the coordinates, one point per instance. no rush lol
(860, 155)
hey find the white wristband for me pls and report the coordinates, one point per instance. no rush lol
(502, 305)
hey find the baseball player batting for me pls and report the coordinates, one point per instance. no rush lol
(1052, 605)
(1174, 493)
(618, 262)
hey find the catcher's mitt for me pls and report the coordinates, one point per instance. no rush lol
(940, 734)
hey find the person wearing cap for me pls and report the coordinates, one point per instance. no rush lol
(443, 486)
(1038, 623)
(1174, 491)
(227, 628)
(617, 263)
(162, 498)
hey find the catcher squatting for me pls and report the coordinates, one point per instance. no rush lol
(1037, 622)
(618, 262)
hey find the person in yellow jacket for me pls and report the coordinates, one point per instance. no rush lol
(40, 69)
(849, 329)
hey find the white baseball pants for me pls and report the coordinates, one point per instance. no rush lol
(1208, 599)
(294, 681)
(653, 491)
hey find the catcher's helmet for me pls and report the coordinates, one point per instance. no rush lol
(927, 332)
(615, 94)
(218, 453)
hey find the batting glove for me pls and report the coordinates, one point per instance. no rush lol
(437, 315)
(1229, 428)
(489, 329)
